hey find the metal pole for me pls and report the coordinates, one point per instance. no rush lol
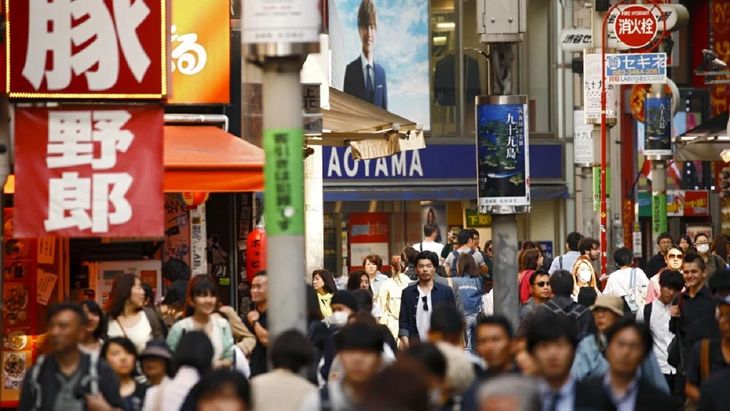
(506, 292)
(283, 204)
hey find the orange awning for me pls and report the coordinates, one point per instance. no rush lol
(205, 158)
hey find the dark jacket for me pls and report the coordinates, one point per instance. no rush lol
(408, 306)
(648, 397)
(565, 305)
(355, 83)
(696, 320)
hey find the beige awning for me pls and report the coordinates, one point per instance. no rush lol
(705, 142)
(371, 131)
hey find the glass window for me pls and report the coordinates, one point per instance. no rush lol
(538, 64)
(444, 36)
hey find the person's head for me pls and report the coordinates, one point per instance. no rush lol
(571, 242)
(120, 354)
(372, 264)
(476, 238)
(720, 246)
(561, 283)
(673, 258)
(607, 310)
(358, 280)
(96, 323)
(685, 243)
(702, 243)
(430, 359)
(530, 259)
(360, 348)
(466, 266)
(430, 231)
(323, 282)
(488, 248)
(344, 305)
(693, 270)
(65, 323)
(156, 361)
(720, 283)
(664, 241)
(291, 351)
(175, 269)
(587, 296)
(127, 292)
(722, 315)
(509, 392)
(540, 286)
(623, 257)
(551, 340)
(364, 300)
(628, 344)
(447, 324)
(426, 263)
(590, 247)
(493, 341)
(222, 390)
(670, 284)
(465, 238)
(409, 254)
(194, 350)
(399, 387)
(260, 288)
(202, 296)
(149, 295)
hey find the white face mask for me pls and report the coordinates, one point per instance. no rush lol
(339, 318)
(703, 248)
(584, 275)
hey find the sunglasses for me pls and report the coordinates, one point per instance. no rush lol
(425, 303)
(542, 283)
(677, 256)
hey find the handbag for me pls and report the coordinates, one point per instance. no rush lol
(637, 295)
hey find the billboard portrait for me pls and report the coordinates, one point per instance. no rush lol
(380, 54)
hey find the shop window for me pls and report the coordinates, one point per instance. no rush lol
(538, 65)
(444, 38)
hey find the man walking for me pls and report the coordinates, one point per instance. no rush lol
(540, 292)
(429, 243)
(657, 262)
(465, 239)
(257, 320)
(567, 260)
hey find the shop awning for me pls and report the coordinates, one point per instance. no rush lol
(371, 131)
(205, 158)
(705, 142)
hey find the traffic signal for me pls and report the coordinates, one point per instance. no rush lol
(725, 182)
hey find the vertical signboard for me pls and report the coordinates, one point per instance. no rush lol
(283, 171)
(89, 171)
(659, 212)
(503, 167)
(592, 79)
(583, 152)
(368, 236)
(658, 131)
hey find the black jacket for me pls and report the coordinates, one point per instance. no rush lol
(409, 301)
(592, 395)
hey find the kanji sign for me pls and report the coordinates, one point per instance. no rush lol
(636, 68)
(284, 171)
(636, 26)
(89, 171)
(87, 49)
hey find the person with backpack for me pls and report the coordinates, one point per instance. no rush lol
(470, 285)
(567, 260)
(128, 317)
(465, 239)
(629, 283)
(65, 378)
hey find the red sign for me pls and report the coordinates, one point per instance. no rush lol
(696, 203)
(86, 171)
(636, 26)
(87, 49)
(369, 235)
(255, 252)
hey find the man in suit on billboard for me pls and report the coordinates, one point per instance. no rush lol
(364, 78)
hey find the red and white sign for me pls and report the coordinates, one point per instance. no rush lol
(368, 236)
(87, 171)
(696, 203)
(636, 26)
(87, 49)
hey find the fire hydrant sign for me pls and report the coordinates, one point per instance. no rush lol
(89, 171)
(636, 68)
(636, 26)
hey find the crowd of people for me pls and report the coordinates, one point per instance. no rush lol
(419, 333)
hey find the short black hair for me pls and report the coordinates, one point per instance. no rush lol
(429, 229)
(464, 236)
(194, 350)
(549, 327)
(720, 281)
(698, 235)
(672, 279)
(587, 244)
(623, 256)
(291, 350)
(428, 356)
(261, 273)
(536, 274)
(364, 300)
(410, 254)
(175, 269)
(587, 296)
(220, 382)
(447, 319)
(94, 308)
(56, 309)
(123, 342)
(573, 240)
(663, 236)
(428, 255)
(641, 328)
(695, 258)
(496, 320)
(359, 336)
(562, 283)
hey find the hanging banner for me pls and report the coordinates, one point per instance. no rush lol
(369, 235)
(284, 174)
(592, 90)
(503, 168)
(200, 50)
(583, 145)
(281, 21)
(658, 131)
(696, 203)
(87, 171)
(659, 212)
(101, 49)
(675, 203)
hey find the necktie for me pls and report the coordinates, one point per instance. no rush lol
(369, 83)
(554, 398)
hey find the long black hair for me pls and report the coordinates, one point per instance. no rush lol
(94, 308)
(121, 290)
(199, 286)
(194, 350)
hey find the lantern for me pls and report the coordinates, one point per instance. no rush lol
(255, 252)
(194, 199)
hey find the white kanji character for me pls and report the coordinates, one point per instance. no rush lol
(647, 25)
(128, 17)
(110, 188)
(625, 26)
(108, 131)
(69, 200)
(69, 139)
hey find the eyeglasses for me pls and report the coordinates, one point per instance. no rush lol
(542, 283)
(425, 303)
(677, 256)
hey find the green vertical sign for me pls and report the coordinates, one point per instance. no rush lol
(597, 187)
(659, 213)
(284, 181)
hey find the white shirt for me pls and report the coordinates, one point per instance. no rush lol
(659, 326)
(140, 333)
(364, 62)
(173, 391)
(619, 282)
(423, 317)
(566, 399)
(428, 245)
(568, 262)
(478, 258)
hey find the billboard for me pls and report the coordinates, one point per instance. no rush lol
(380, 54)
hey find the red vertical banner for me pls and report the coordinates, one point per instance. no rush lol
(86, 171)
(369, 234)
(720, 28)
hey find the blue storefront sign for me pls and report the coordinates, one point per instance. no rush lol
(636, 68)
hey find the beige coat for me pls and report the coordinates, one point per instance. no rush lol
(243, 337)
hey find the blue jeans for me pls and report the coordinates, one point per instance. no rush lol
(470, 321)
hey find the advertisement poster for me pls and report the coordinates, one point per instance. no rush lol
(380, 53)
(696, 203)
(435, 214)
(177, 229)
(592, 90)
(503, 155)
(658, 132)
(369, 235)
(582, 140)
(675, 203)
(693, 230)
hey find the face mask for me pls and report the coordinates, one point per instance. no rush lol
(339, 318)
(703, 248)
(584, 276)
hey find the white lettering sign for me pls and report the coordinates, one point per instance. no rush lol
(341, 164)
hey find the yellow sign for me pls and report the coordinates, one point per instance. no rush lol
(200, 52)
